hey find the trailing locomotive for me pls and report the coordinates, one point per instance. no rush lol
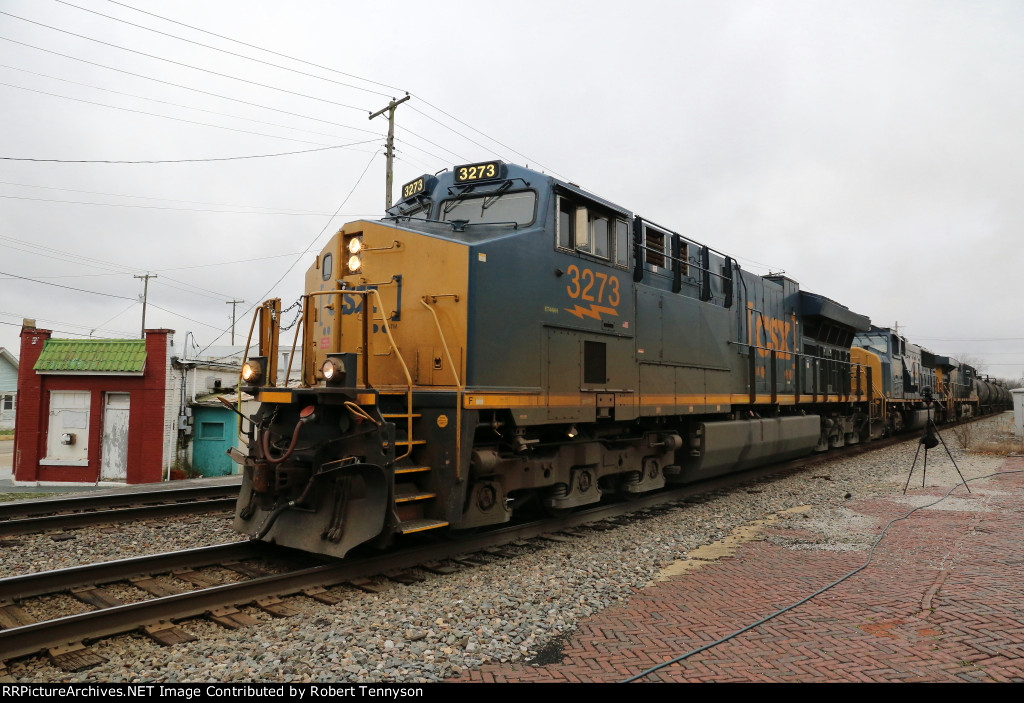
(503, 341)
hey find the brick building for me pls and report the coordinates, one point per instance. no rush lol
(92, 410)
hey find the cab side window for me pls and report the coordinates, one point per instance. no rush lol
(592, 231)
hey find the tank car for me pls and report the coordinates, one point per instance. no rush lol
(504, 342)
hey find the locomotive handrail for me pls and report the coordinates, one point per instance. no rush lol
(268, 348)
(797, 356)
(690, 261)
(405, 370)
(366, 349)
(300, 325)
(458, 382)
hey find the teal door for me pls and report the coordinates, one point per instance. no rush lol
(214, 430)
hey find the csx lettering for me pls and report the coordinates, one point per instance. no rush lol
(592, 287)
(774, 334)
(351, 304)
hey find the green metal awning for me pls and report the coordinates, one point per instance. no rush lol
(108, 357)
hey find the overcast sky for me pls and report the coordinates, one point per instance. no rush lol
(874, 151)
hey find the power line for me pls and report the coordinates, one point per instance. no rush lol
(63, 256)
(80, 290)
(206, 293)
(111, 295)
(121, 269)
(304, 252)
(212, 293)
(161, 207)
(182, 64)
(184, 87)
(72, 324)
(184, 317)
(154, 114)
(253, 46)
(183, 161)
(76, 334)
(167, 102)
(326, 68)
(271, 210)
(225, 51)
(244, 102)
(452, 117)
(970, 339)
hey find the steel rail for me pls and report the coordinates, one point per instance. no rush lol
(30, 639)
(44, 582)
(48, 506)
(117, 515)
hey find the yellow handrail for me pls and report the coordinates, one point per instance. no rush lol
(405, 370)
(458, 392)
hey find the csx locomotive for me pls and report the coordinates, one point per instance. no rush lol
(505, 342)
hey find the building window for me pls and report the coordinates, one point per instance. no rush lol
(8, 402)
(211, 430)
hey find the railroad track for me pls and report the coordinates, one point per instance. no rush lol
(28, 516)
(66, 638)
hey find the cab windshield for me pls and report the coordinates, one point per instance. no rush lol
(878, 342)
(491, 208)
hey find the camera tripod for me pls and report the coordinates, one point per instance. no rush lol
(931, 439)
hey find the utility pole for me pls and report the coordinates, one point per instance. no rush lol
(145, 294)
(390, 109)
(233, 303)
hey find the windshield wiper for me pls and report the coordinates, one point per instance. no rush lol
(448, 206)
(461, 225)
(493, 197)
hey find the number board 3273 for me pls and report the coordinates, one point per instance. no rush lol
(478, 172)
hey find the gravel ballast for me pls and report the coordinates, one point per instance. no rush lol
(507, 610)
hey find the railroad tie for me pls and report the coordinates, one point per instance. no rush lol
(250, 570)
(405, 577)
(276, 607)
(154, 586)
(12, 615)
(322, 595)
(74, 657)
(196, 578)
(231, 617)
(96, 597)
(167, 633)
(368, 586)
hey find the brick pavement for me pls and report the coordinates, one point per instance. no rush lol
(942, 601)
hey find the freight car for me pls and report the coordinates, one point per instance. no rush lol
(505, 342)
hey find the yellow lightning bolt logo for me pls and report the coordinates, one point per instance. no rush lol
(593, 312)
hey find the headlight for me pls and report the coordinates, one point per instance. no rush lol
(354, 263)
(331, 371)
(252, 371)
(355, 245)
(336, 371)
